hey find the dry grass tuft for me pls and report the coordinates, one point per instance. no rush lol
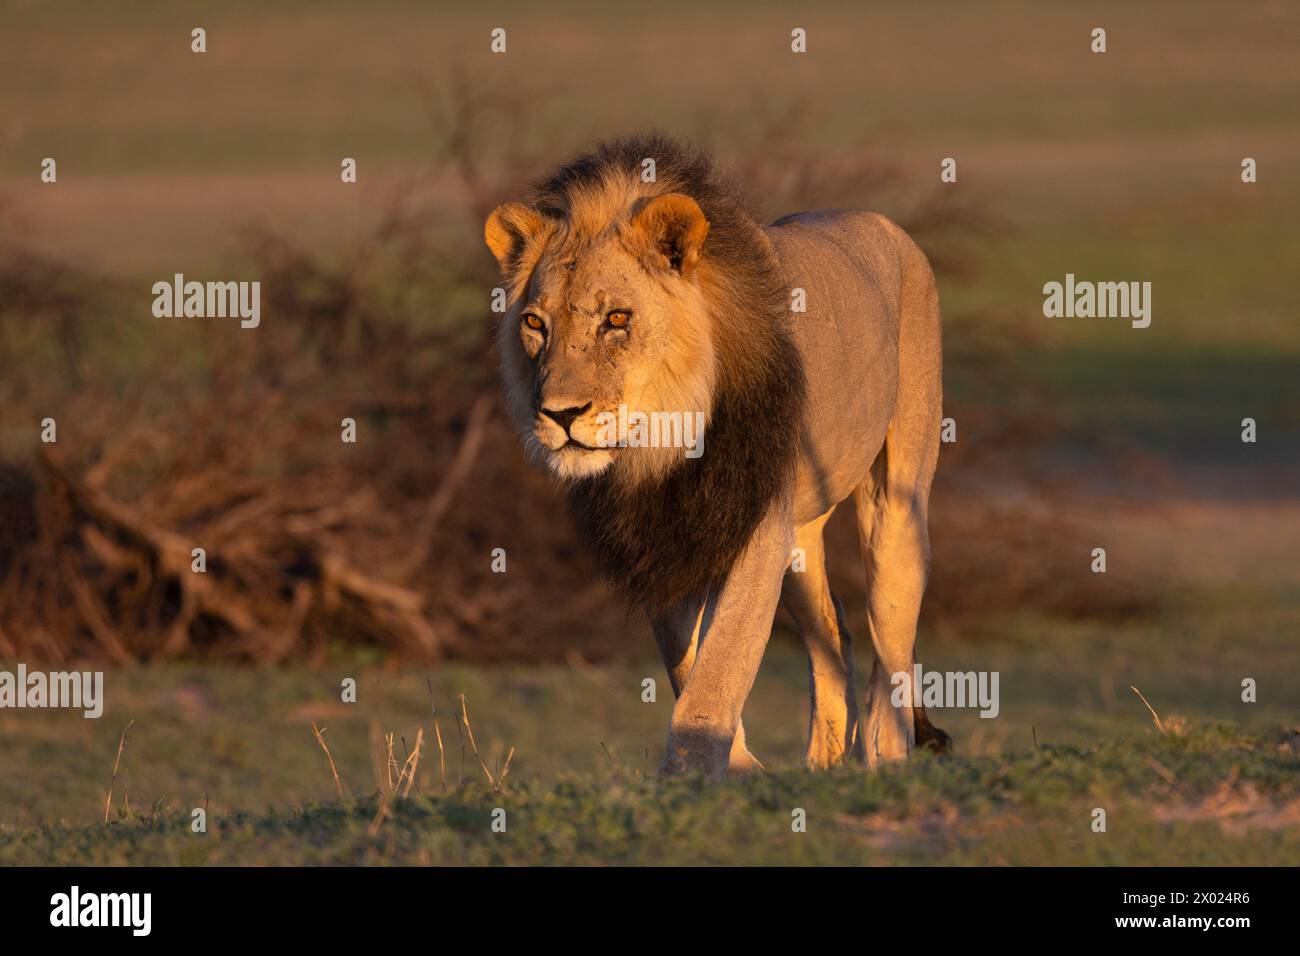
(320, 739)
(117, 761)
(1155, 718)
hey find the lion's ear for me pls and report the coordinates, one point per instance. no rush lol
(509, 229)
(674, 225)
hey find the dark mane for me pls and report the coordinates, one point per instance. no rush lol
(665, 540)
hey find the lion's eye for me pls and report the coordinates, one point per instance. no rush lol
(533, 322)
(618, 318)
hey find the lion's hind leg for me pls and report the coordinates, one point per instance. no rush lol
(892, 510)
(928, 736)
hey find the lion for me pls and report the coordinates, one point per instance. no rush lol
(810, 349)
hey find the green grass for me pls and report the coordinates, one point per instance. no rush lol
(1187, 404)
(582, 787)
(1217, 284)
(1161, 795)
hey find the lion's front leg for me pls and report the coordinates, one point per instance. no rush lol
(678, 635)
(705, 732)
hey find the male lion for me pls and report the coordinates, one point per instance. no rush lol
(666, 297)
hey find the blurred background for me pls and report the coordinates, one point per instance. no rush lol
(1071, 434)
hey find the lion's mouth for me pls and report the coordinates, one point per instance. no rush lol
(574, 443)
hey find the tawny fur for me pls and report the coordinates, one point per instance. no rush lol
(802, 411)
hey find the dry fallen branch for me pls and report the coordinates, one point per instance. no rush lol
(451, 483)
(94, 614)
(242, 592)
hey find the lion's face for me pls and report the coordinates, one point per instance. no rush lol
(603, 327)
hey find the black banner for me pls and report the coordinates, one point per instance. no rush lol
(333, 905)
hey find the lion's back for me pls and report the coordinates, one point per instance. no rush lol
(860, 279)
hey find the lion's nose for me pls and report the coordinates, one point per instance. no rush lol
(564, 416)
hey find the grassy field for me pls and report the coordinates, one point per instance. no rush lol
(1220, 785)
(1209, 796)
